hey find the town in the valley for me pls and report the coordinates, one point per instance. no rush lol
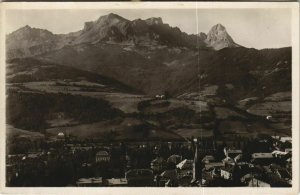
(63, 160)
(135, 101)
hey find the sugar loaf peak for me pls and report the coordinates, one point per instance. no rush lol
(113, 28)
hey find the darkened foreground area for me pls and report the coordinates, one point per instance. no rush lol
(70, 161)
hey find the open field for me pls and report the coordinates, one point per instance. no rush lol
(188, 133)
(269, 108)
(117, 130)
(18, 133)
(124, 101)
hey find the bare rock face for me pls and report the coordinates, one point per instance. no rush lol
(218, 38)
(110, 27)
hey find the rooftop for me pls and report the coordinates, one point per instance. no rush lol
(185, 164)
(214, 164)
(235, 151)
(286, 139)
(208, 158)
(277, 152)
(117, 181)
(102, 153)
(89, 180)
(262, 155)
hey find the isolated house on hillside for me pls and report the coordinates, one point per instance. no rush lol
(160, 97)
(60, 135)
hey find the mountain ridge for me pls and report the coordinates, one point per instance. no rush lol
(111, 28)
(152, 56)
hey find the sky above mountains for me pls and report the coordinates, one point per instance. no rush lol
(258, 28)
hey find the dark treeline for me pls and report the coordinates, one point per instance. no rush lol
(30, 111)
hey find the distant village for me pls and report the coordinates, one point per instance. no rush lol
(265, 161)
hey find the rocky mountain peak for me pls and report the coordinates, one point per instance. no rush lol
(27, 27)
(219, 27)
(21, 30)
(110, 19)
(29, 32)
(218, 38)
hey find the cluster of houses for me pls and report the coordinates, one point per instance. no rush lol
(259, 169)
(234, 167)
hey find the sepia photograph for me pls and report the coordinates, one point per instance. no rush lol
(193, 95)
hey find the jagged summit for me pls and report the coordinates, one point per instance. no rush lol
(219, 27)
(218, 38)
(111, 19)
(22, 29)
(29, 35)
(28, 32)
(28, 41)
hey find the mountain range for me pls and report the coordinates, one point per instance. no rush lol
(112, 28)
(141, 58)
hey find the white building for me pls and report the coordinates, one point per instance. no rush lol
(226, 172)
(102, 156)
(89, 182)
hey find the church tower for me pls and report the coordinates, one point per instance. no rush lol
(196, 165)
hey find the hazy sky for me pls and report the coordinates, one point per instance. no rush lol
(258, 28)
